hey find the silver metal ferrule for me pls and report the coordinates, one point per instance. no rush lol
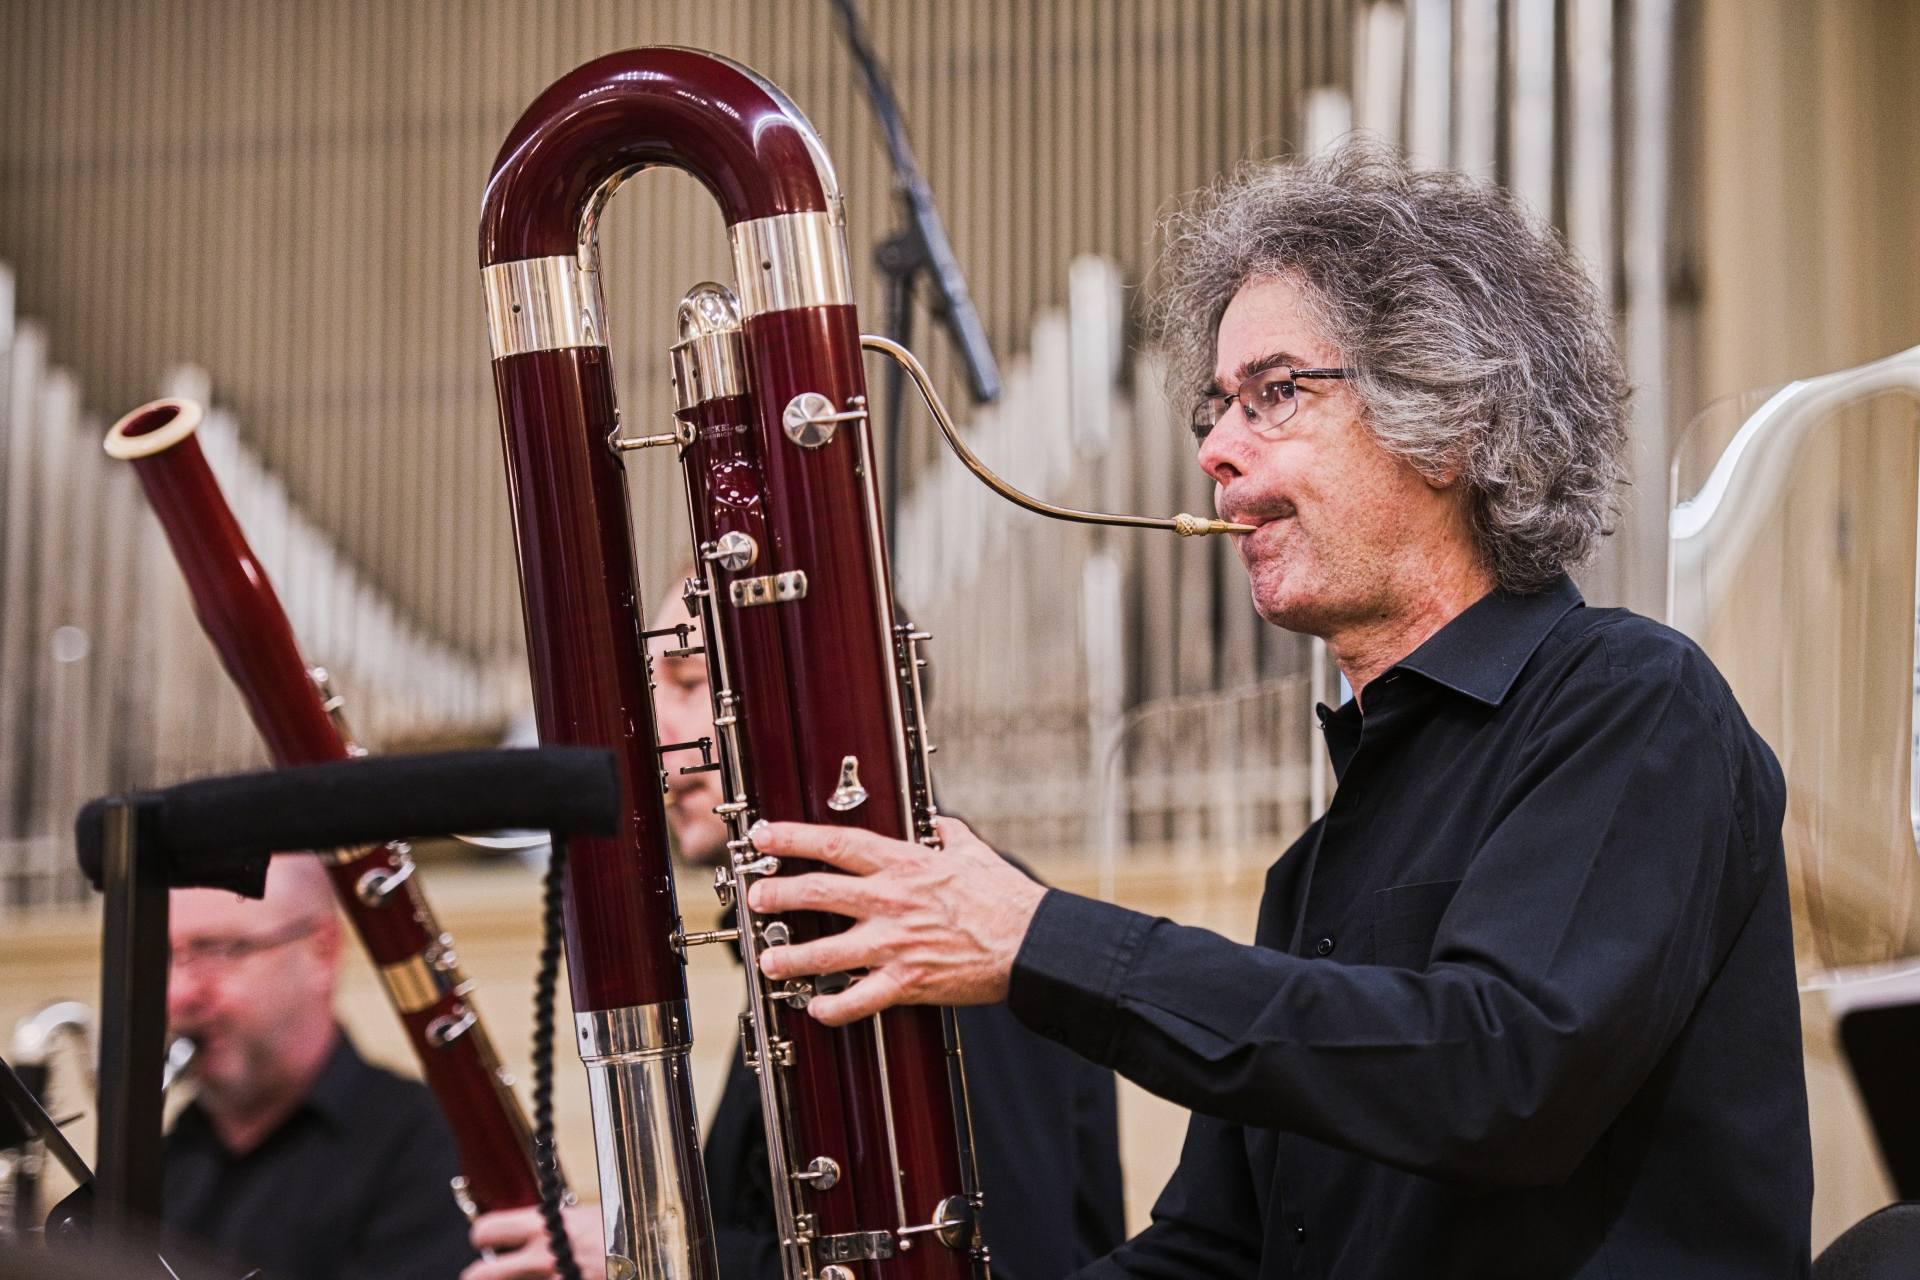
(708, 363)
(653, 1188)
(543, 304)
(791, 260)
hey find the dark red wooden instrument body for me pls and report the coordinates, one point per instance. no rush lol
(815, 676)
(588, 661)
(241, 614)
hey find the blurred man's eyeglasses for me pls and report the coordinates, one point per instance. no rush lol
(1267, 400)
(227, 951)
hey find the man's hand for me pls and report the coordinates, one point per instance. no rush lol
(518, 1239)
(931, 926)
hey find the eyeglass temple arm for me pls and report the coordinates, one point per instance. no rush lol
(1187, 526)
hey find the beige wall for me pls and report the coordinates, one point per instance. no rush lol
(1808, 240)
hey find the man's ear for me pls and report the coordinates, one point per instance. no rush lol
(327, 939)
(1447, 475)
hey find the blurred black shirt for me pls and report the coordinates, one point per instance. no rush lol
(1521, 1003)
(355, 1185)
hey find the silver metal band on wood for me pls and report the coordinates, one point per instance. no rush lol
(543, 304)
(634, 1032)
(790, 260)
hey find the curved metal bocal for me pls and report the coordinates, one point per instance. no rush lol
(1184, 524)
(1793, 561)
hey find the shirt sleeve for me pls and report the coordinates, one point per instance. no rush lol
(1590, 920)
(1205, 1223)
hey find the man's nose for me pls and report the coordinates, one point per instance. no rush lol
(1221, 453)
(186, 993)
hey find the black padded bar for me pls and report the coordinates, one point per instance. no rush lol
(220, 831)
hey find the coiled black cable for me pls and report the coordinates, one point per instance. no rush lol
(546, 1162)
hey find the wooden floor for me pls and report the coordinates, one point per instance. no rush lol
(492, 912)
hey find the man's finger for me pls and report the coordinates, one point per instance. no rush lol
(848, 848)
(522, 1264)
(952, 830)
(843, 895)
(836, 953)
(863, 999)
(506, 1228)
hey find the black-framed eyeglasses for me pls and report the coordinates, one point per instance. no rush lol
(1267, 400)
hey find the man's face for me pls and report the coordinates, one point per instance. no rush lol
(1340, 522)
(247, 976)
(683, 712)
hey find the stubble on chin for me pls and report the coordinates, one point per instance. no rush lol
(1274, 584)
(1287, 612)
(238, 1091)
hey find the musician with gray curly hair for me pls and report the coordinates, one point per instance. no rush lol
(1521, 1001)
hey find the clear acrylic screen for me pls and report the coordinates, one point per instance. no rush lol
(1792, 543)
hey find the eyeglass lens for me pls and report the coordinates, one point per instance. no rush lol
(1266, 399)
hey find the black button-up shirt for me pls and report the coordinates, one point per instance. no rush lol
(1521, 1002)
(354, 1185)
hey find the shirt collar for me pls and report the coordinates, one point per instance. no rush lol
(333, 1096)
(1481, 652)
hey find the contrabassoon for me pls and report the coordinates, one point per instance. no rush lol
(817, 707)
(300, 716)
(867, 1148)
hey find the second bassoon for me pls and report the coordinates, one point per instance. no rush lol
(299, 715)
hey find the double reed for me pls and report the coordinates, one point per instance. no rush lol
(868, 1139)
(299, 716)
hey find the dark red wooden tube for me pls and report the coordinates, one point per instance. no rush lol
(588, 662)
(862, 1117)
(838, 665)
(606, 119)
(236, 605)
(627, 111)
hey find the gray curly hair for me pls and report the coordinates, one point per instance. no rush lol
(1481, 350)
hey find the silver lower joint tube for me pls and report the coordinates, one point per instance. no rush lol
(653, 1188)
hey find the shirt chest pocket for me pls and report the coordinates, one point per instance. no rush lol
(1405, 918)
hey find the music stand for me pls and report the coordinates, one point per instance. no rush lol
(220, 833)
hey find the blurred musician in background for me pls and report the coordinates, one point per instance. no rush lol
(1521, 1002)
(295, 1155)
(1044, 1120)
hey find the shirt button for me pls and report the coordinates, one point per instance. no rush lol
(1299, 1233)
(1324, 946)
